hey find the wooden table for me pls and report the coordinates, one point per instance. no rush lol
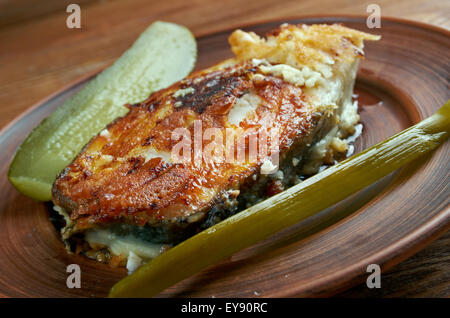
(39, 55)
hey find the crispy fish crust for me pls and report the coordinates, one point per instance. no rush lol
(126, 173)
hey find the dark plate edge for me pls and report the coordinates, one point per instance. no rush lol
(348, 277)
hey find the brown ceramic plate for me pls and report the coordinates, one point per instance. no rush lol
(403, 80)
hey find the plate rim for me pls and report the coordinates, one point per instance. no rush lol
(388, 257)
(95, 71)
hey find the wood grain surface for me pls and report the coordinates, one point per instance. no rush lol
(39, 55)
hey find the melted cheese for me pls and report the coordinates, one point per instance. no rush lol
(183, 92)
(268, 167)
(133, 262)
(124, 245)
(243, 108)
(299, 77)
(151, 153)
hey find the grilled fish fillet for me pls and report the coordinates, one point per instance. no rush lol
(126, 195)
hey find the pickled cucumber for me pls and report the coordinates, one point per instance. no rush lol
(286, 208)
(163, 54)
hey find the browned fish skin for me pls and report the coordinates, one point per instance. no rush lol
(139, 192)
(113, 182)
